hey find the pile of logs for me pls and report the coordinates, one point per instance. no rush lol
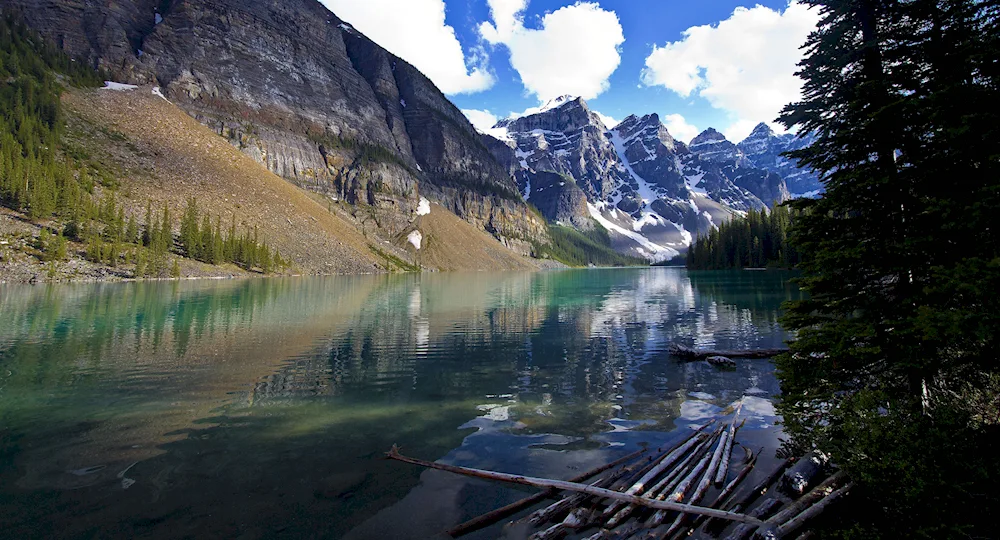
(688, 488)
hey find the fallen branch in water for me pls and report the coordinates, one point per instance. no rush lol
(572, 486)
(687, 353)
(490, 518)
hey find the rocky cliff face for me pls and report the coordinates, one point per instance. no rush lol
(653, 193)
(763, 149)
(730, 177)
(305, 94)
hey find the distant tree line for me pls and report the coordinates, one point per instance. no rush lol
(206, 242)
(757, 240)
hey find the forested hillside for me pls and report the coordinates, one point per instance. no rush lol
(46, 178)
(894, 370)
(760, 239)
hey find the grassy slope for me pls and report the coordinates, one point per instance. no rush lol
(163, 155)
(450, 243)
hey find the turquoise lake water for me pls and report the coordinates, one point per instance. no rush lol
(262, 408)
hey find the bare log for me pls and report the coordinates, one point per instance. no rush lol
(687, 353)
(750, 496)
(763, 510)
(791, 525)
(616, 481)
(570, 502)
(706, 480)
(573, 486)
(577, 519)
(681, 488)
(722, 467)
(802, 502)
(720, 450)
(622, 511)
(699, 492)
(723, 497)
(668, 460)
(490, 518)
(688, 481)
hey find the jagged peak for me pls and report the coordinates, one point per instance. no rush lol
(632, 121)
(555, 103)
(707, 136)
(761, 130)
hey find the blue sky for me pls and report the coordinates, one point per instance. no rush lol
(711, 63)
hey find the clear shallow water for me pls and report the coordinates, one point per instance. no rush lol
(261, 409)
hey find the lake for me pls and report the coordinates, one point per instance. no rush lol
(262, 408)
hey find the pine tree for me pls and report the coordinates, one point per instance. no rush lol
(148, 226)
(190, 236)
(896, 344)
(218, 244)
(166, 234)
(131, 231)
(207, 241)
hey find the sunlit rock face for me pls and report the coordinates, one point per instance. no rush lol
(763, 148)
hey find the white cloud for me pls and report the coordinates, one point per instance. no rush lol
(745, 64)
(481, 120)
(575, 50)
(738, 130)
(679, 128)
(415, 30)
(609, 122)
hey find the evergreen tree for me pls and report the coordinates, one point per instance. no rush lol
(190, 236)
(206, 244)
(148, 226)
(756, 240)
(166, 234)
(218, 244)
(894, 367)
(131, 231)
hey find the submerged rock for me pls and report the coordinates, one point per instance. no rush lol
(721, 361)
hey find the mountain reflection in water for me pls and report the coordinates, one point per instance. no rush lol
(261, 408)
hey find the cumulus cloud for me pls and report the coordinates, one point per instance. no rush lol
(745, 64)
(481, 120)
(415, 30)
(609, 122)
(679, 128)
(574, 51)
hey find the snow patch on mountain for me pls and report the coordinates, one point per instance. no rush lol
(654, 252)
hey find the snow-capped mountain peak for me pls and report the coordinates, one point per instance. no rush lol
(763, 148)
(555, 103)
(653, 194)
(709, 136)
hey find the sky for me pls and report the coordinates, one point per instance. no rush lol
(726, 64)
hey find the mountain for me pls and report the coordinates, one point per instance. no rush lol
(763, 149)
(653, 193)
(308, 96)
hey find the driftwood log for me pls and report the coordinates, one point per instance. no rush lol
(687, 353)
(793, 524)
(573, 486)
(490, 518)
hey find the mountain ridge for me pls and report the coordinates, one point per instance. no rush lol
(306, 95)
(652, 192)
